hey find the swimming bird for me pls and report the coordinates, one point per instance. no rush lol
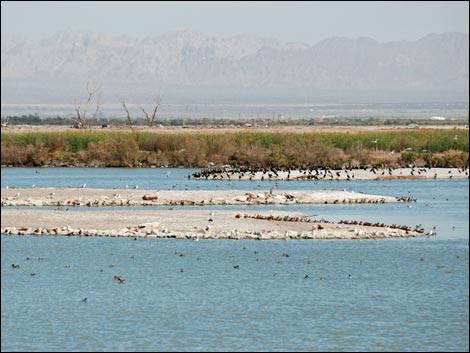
(120, 279)
(85, 300)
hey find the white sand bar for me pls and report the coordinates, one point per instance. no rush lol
(190, 224)
(108, 197)
(340, 174)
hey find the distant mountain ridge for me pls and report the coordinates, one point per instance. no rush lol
(196, 61)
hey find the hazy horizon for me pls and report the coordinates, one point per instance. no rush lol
(236, 52)
(307, 22)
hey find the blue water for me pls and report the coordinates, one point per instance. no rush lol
(404, 294)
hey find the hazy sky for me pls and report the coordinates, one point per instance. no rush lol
(307, 22)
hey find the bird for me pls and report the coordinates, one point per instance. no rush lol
(83, 186)
(85, 300)
(120, 279)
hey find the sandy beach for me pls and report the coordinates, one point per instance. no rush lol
(200, 224)
(113, 197)
(331, 174)
(197, 224)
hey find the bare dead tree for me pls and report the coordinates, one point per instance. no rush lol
(5, 121)
(151, 119)
(81, 112)
(129, 120)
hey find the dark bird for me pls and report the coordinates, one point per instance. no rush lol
(120, 279)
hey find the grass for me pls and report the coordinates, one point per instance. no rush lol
(428, 147)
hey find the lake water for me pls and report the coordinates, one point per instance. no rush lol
(404, 294)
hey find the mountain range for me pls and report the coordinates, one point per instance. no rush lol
(192, 65)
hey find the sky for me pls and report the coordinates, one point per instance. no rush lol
(293, 21)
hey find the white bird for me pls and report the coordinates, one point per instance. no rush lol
(358, 231)
(83, 186)
(17, 194)
(127, 186)
(136, 187)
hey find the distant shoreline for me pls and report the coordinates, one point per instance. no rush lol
(334, 174)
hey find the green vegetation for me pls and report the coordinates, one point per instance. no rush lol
(60, 121)
(432, 147)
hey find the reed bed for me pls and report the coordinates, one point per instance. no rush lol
(426, 147)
